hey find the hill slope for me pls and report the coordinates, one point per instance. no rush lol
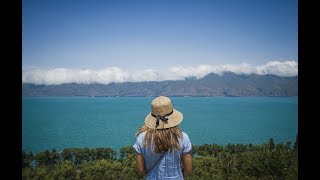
(229, 84)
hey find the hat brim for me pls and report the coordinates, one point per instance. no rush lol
(173, 120)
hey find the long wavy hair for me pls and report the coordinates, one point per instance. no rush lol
(161, 140)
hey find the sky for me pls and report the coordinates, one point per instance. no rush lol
(106, 41)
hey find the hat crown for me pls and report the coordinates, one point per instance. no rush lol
(161, 106)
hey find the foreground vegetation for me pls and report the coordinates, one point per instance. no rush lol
(210, 161)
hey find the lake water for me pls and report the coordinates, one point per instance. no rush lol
(65, 122)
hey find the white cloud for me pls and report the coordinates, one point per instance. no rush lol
(114, 74)
(287, 68)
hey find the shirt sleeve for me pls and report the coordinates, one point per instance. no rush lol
(137, 147)
(186, 144)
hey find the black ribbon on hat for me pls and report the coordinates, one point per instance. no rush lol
(163, 118)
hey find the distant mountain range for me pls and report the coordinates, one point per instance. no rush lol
(228, 84)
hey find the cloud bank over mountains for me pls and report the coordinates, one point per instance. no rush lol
(114, 74)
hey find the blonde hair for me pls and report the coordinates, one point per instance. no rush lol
(161, 140)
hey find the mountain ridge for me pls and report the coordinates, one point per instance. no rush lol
(212, 85)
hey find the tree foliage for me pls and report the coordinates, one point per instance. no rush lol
(210, 161)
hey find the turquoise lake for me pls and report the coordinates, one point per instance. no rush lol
(65, 122)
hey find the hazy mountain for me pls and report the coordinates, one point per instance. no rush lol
(229, 84)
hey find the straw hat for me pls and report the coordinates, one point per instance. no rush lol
(162, 114)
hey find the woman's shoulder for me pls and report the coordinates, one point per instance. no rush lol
(141, 135)
(185, 143)
(184, 136)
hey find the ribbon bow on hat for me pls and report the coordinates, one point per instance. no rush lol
(163, 118)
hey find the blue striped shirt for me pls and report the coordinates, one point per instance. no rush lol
(170, 166)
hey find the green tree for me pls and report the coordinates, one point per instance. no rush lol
(79, 156)
(271, 144)
(126, 151)
(227, 164)
(24, 157)
(28, 173)
(64, 170)
(101, 169)
(43, 158)
(93, 154)
(27, 159)
(106, 153)
(205, 167)
(211, 161)
(67, 154)
(288, 145)
(41, 172)
(54, 157)
(86, 155)
(129, 167)
(194, 150)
